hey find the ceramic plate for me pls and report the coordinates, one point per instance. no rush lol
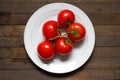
(60, 64)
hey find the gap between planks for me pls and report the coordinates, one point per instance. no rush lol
(97, 19)
(86, 7)
(46, 1)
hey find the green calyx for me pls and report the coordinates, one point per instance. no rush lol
(68, 22)
(67, 41)
(74, 32)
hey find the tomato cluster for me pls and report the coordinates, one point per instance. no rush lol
(52, 31)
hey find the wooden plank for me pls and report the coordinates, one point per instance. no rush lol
(105, 0)
(99, 7)
(102, 19)
(16, 52)
(92, 63)
(17, 7)
(18, 30)
(87, 7)
(103, 63)
(11, 41)
(11, 30)
(103, 52)
(16, 63)
(107, 29)
(107, 41)
(6, 18)
(100, 41)
(99, 52)
(37, 75)
(117, 74)
(74, 1)
(96, 75)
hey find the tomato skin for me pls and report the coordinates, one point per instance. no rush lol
(62, 47)
(50, 29)
(76, 31)
(65, 18)
(45, 50)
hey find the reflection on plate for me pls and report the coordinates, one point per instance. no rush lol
(33, 35)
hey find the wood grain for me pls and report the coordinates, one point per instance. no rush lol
(105, 18)
(16, 63)
(104, 64)
(26, 63)
(6, 18)
(117, 74)
(107, 41)
(16, 52)
(13, 35)
(36, 75)
(97, 19)
(100, 41)
(87, 7)
(103, 52)
(74, 1)
(11, 41)
(11, 30)
(18, 30)
(107, 30)
(99, 52)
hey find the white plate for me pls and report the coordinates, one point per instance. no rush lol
(33, 35)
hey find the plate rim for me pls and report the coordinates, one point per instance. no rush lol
(28, 51)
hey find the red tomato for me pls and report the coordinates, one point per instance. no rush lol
(46, 50)
(76, 31)
(64, 45)
(50, 30)
(65, 18)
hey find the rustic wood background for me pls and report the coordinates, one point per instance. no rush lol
(104, 63)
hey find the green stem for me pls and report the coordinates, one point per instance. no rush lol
(59, 31)
(68, 41)
(55, 37)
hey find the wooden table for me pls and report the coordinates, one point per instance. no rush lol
(104, 63)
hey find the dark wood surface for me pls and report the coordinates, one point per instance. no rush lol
(104, 63)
